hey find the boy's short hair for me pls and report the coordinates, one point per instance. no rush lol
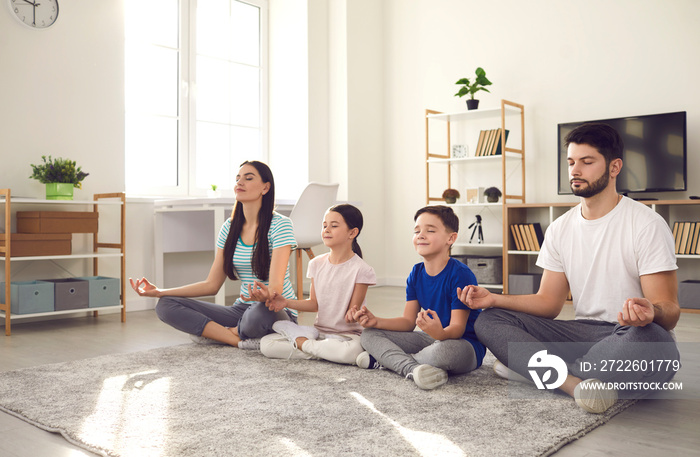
(444, 213)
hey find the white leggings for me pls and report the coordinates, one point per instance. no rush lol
(339, 348)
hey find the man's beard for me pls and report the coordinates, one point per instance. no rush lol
(593, 188)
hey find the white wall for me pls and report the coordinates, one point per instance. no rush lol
(62, 94)
(564, 60)
(371, 68)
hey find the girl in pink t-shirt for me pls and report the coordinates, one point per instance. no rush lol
(339, 282)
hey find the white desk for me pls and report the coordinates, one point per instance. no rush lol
(192, 225)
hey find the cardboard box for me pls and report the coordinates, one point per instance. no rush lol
(69, 293)
(56, 222)
(103, 291)
(29, 297)
(524, 284)
(32, 244)
(689, 294)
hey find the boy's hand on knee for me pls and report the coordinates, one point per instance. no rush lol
(475, 297)
(365, 318)
(429, 322)
(636, 312)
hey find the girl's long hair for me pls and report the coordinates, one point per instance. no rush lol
(353, 219)
(261, 252)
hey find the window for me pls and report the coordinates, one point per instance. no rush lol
(195, 93)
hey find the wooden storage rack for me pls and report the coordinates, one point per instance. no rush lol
(118, 198)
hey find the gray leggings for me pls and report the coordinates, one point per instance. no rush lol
(401, 352)
(593, 342)
(254, 320)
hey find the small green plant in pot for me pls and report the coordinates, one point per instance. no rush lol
(214, 192)
(60, 176)
(469, 87)
(492, 194)
(450, 195)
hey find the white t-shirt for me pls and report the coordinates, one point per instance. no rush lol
(334, 285)
(604, 258)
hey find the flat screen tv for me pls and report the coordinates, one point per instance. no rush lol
(654, 158)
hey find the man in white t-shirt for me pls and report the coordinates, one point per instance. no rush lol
(616, 256)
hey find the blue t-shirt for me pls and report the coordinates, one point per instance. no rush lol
(439, 293)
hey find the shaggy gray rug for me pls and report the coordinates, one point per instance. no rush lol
(193, 400)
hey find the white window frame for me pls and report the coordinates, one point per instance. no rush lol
(187, 104)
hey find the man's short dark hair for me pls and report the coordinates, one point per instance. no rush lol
(444, 213)
(602, 137)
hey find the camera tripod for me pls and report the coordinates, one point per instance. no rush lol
(477, 230)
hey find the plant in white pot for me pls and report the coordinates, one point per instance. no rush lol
(214, 191)
(469, 87)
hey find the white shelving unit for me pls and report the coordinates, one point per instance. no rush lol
(118, 248)
(505, 171)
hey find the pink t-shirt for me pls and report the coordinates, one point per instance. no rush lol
(334, 285)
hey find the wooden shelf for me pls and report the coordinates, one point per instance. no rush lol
(115, 199)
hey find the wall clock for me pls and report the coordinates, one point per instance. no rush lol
(36, 14)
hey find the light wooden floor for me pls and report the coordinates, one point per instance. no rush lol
(649, 428)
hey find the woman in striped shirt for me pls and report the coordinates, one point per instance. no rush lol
(254, 245)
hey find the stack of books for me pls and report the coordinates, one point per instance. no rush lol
(686, 235)
(527, 237)
(490, 143)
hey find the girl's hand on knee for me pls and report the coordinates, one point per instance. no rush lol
(350, 315)
(276, 303)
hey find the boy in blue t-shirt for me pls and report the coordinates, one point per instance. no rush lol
(446, 342)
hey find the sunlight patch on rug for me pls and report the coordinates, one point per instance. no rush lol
(427, 444)
(142, 395)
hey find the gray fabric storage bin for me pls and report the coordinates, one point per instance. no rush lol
(689, 294)
(69, 293)
(488, 270)
(524, 284)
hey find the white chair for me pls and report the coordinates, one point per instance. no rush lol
(307, 217)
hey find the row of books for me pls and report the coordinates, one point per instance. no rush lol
(686, 235)
(527, 237)
(489, 143)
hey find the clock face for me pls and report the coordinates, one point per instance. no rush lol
(37, 14)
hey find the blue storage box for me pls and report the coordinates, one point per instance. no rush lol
(70, 293)
(103, 291)
(29, 297)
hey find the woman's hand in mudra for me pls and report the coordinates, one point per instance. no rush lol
(257, 292)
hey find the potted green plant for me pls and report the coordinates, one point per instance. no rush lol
(60, 176)
(450, 195)
(214, 192)
(471, 88)
(492, 194)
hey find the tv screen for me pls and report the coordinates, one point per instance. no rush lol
(654, 158)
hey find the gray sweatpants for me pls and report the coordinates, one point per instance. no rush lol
(603, 347)
(254, 320)
(401, 352)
